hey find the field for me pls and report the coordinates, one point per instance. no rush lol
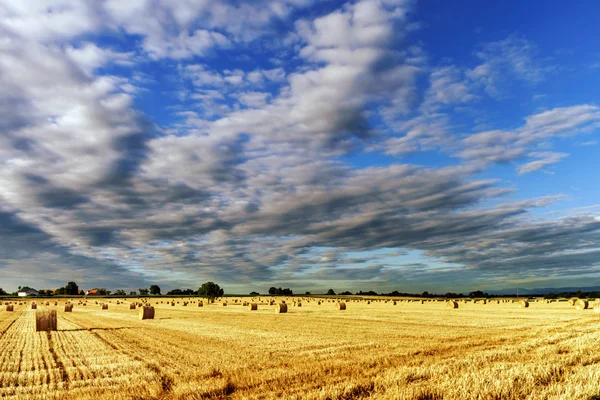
(377, 350)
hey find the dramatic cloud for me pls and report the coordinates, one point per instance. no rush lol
(272, 142)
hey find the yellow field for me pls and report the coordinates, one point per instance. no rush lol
(377, 350)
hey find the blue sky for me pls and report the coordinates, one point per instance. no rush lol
(363, 145)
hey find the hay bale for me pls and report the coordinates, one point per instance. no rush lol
(523, 303)
(596, 309)
(573, 301)
(132, 306)
(225, 304)
(452, 304)
(68, 307)
(146, 312)
(200, 304)
(253, 307)
(10, 308)
(394, 303)
(581, 304)
(341, 306)
(45, 320)
(105, 306)
(299, 304)
(272, 302)
(33, 306)
(281, 308)
(185, 303)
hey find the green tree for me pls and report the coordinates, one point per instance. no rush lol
(155, 290)
(210, 290)
(143, 292)
(120, 292)
(2, 292)
(254, 293)
(331, 292)
(72, 289)
(60, 290)
(132, 293)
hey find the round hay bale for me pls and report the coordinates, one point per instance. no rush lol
(394, 303)
(341, 306)
(146, 312)
(451, 304)
(573, 301)
(132, 306)
(68, 307)
(299, 304)
(200, 304)
(281, 308)
(225, 304)
(45, 320)
(523, 304)
(253, 307)
(596, 309)
(33, 306)
(10, 308)
(245, 304)
(581, 304)
(105, 306)
(272, 302)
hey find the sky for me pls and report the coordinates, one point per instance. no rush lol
(361, 145)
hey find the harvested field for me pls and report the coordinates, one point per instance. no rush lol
(378, 350)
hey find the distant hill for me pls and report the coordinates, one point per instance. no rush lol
(544, 290)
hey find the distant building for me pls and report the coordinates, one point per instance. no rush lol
(96, 292)
(81, 293)
(27, 291)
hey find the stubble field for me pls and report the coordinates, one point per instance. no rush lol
(378, 350)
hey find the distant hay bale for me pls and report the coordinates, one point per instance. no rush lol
(45, 320)
(33, 306)
(341, 306)
(225, 304)
(394, 303)
(245, 304)
(185, 303)
(281, 308)
(200, 304)
(272, 302)
(132, 306)
(596, 309)
(523, 303)
(68, 307)
(10, 308)
(299, 304)
(573, 301)
(422, 301)
(105, 306)
(146, 312)
(581, 304)
(451, 304)
(253, 307)
(172, 304)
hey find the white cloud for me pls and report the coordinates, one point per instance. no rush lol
(545, 159)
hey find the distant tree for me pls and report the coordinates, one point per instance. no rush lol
(425, 294)
(307, 293)
(60, 291)
(256, 293)
(155, 290)
(175, 292)
(143, 292)
(2, 292)
(189, 292)
(331, 292)
(210, 290)
(346, 293)
(120, 292)
(108, 292)
(72, 289)
(477, 293)
(132, 293)
(272, 290)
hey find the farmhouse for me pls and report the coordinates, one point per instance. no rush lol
(27, 291)
(96, 292)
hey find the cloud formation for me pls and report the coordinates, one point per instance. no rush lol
(176, 142)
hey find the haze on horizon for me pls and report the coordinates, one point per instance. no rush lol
(361, 145)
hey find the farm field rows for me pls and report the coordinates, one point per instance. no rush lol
(377, 350)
